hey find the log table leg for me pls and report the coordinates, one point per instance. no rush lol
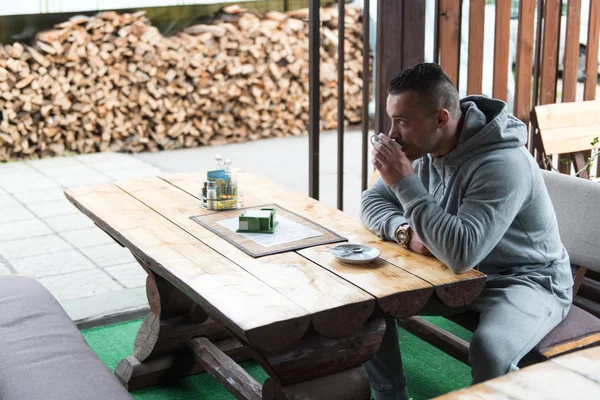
(161, 352)
(322, 368)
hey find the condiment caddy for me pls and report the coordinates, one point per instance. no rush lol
(220, 189)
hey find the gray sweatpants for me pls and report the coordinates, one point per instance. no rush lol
(515, 315)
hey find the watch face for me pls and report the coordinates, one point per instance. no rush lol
(401, 236)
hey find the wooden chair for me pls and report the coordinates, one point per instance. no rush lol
(566, 129)
(576, 204)
(569, 130)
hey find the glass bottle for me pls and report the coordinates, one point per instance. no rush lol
(219, 162)
(230, 181)
(211, 195)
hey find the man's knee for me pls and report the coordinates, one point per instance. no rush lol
(489, 357)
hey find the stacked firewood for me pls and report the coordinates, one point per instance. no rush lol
(112, 82)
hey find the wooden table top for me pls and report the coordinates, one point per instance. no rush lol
(270, 301)
(573, 376)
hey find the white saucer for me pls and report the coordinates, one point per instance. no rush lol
(350, 253)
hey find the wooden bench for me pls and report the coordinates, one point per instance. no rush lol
(574, 376)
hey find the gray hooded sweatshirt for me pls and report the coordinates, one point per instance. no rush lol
(484, 205)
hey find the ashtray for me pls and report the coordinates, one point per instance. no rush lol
(354, 253)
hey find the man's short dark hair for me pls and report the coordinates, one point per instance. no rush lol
(432, 84)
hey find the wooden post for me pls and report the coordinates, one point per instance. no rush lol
(400, 44)
(570, 66)
(549, 59)
(449, 40)
(322, 368)
(225, 370)
(524, 60)
(571, 57)
(346, 385)
(591, 68)
(501, 50)
(161, 351)
(475, 66)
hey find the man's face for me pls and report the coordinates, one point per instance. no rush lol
(414, 128)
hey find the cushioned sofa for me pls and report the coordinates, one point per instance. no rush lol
(42, 354)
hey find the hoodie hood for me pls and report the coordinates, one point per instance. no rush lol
(486, 126)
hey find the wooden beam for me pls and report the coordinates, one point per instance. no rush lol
(588, 305)
(134, 374)
(164, 299)
(158, 337)
(501, 50)
(568, 347)
(591, 68)
(475, 66)
(524, 60)
(579, 280)
(589, 288)
(437, 337)
(579, 161)
(449, 23)
(549, 59)
(315, 356)
(233, 377)
(352, 384)
(400, 44)
(571, 60)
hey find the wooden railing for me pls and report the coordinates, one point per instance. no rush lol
(400, 44)
(537, 55)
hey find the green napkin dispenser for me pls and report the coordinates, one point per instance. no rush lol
(258, 221)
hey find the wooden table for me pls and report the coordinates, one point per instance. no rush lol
(308, 320)
(573, 376)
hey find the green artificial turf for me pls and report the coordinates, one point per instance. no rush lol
(430, 372)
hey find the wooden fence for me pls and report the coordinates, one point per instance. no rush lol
(401, 35)
(537, 55)
(537, 72)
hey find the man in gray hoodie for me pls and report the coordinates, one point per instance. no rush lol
(456, 182)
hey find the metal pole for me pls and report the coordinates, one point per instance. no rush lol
(340, 116)
(314, 97)
(365, 100)
(379, 89)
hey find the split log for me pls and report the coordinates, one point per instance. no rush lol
(112, 82)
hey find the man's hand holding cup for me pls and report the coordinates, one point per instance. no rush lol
(389, 159)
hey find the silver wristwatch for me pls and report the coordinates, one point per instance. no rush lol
(402, 235)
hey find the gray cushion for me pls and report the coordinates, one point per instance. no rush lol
(42, 354)
(578, 325)
(576, 202)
